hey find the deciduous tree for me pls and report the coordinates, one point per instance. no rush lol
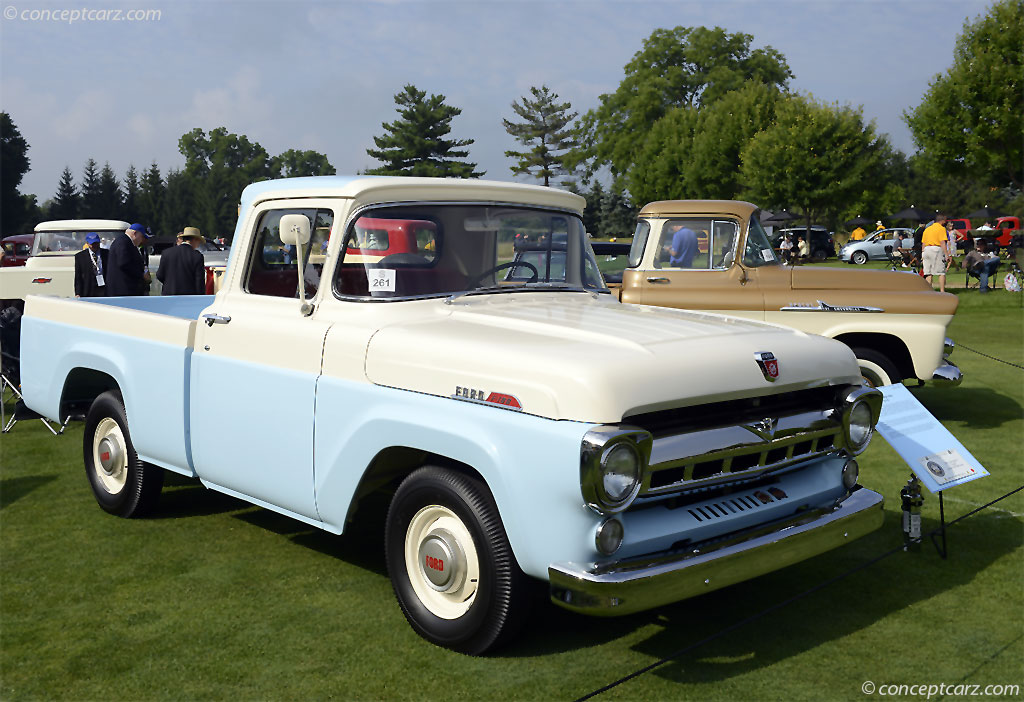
(545, 131)
(14, 164)
(293, 163)
(218, 166)
(816, 158)
(680, 67)
(416, 143)
(972, 116)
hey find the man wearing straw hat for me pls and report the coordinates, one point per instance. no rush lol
(182, 270)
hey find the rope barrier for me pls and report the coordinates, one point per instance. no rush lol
(961, 346)
(774, 608)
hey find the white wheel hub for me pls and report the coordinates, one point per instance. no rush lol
(110, 455)
(441, 561)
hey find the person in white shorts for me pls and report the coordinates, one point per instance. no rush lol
(935, 251)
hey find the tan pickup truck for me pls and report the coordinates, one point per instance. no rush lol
(894, 322)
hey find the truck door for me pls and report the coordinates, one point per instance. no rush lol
(255, 367)
(710, 279)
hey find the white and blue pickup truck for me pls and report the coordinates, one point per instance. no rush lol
(380, 334)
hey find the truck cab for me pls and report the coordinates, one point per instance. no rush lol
(894, 322)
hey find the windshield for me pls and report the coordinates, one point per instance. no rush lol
(69, 240)
(437, 250)
(758, 251)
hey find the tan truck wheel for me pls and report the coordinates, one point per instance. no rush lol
(876, 368)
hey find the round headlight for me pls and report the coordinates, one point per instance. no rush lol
(860, 425)
(851, 471)
(620, 472)
(609, 536)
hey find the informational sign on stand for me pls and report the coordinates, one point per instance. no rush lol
(934, 454)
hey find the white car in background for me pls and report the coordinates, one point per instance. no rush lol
(50, 269)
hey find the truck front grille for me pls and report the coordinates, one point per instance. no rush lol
(697, 456)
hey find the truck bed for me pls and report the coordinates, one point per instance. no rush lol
(140, 345)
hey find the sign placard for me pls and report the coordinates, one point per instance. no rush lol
(934, 454)
(381, 279)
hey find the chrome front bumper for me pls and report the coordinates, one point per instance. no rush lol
(947, 374)
(637, 584)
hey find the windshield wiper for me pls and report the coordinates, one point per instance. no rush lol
(526, 287)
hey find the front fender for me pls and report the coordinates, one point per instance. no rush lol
(530, 464)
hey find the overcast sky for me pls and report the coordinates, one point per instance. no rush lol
(323, 75)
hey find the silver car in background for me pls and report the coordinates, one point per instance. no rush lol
(874, 246)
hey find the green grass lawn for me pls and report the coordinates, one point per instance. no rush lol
(214, 599)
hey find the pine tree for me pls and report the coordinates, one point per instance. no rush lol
(618, 217)
(545, 131)
(177, 207)
(592, 212)
(415, 143)
(67, 200)
(110, 193)
(151, 197)
(131, 195)
(91, 202)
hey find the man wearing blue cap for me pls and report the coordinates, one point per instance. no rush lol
(126, 273)
(90, 268)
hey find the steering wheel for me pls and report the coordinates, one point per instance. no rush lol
(501, 266)
(402, 259)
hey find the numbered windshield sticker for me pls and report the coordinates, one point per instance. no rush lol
(767, 255)
(382, 279)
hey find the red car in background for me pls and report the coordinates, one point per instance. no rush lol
(16, 249)
(1008, 228)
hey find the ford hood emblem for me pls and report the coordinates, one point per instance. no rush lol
(768, 364)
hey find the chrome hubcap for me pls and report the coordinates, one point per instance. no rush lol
(110, 456)
(441, 560)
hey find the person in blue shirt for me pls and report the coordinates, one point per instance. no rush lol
(683, 248)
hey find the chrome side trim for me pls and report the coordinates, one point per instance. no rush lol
(636, 584)
(825, 307)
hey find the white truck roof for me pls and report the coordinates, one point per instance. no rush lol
(75, 225)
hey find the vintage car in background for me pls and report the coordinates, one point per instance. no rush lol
(894, 322)
(876, 246)
(625, 457)
(50, 269)
(15, 249)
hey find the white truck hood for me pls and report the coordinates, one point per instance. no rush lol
(595, 360)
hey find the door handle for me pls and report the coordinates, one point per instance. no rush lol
(212, 319)
(657, 280)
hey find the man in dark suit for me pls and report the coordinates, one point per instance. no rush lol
(126, 273)
(182, 270)
(90, 268)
